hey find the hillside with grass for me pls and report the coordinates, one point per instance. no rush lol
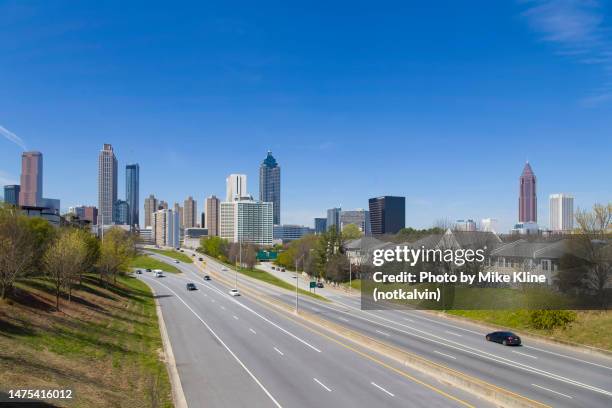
(104, 344)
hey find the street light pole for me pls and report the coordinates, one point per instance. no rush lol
(350, 276)
(239, 262)
(296, 282)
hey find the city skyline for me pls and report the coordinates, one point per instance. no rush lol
(390, 112)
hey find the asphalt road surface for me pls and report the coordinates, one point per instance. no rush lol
(553, 375)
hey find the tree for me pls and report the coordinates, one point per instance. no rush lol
(17, 247)
(328, 244)
(42, 234)
(351, 231)
(63, 260)
(116, 251)
(337, 268)
(214, 246)
(249, 255)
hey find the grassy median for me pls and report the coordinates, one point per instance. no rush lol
(146, 262)
(104, 345)
(171, 253)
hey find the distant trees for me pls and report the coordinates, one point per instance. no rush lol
(351, 231)
(216, 247)
(232, 252)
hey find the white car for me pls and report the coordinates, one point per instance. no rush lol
(159, 274)
(234, 292)
(177, 261)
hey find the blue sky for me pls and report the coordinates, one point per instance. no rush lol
(439, 101)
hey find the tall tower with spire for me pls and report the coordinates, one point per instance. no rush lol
(270, 185)
(528, 201)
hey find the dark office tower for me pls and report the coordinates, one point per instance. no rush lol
(528, 201)
(11, 194)
(387, 214)
(132, 192)
(320, 225)
(333, 219)
(270, 185)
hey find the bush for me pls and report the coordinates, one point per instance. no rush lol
(551, 319)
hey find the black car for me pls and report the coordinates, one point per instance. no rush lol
(200, 259)
(138, 271)
(319, 284)
(206, 277)
(504, 337)
(148, 270)
(191, 286)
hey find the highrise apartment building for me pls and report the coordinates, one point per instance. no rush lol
(150, 206)
(246, 221)
(179, 210)
(132, 193)
(528, 201)
(31, 189)
(107, 184)
(387, 214)
(561, 212)
(166, 230)
(270, 185)
(211, 213)
(236, 187)
(190, 213)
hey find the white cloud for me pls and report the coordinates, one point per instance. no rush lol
(11, 137)
(580, 31)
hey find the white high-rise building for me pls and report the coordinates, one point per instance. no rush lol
(246, 221)
(107, 184)
(166, 228)
(489, 225)
(236, 186)
(561, 212)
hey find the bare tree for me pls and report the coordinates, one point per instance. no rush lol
(16, 248)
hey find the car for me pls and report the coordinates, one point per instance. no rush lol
(201, 259)
(192, 254)
(178, 249)
(319, 284)
(177, 261)
(206, 277)
(234, 292)
(159, 274)
(148, 269)
(191, 286)
(138, 271)
(504, 337)
(224, 269)
(282, 270)
(182, 250)
(274, 268)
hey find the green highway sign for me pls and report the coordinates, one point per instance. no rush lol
(313, 284)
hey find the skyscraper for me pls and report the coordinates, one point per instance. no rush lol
(190, 213)
(150, 206)
(246, 221)
(387, 214)
(11, 194)
(561, 212)
(212, 215)
(333, 218)
(236, 186)
(179, 210)
(270, 185)
(121, 212)
(320, 225)
(31, 179)
(528, 202)
(132, 192)
(166, 231)
(107, 184)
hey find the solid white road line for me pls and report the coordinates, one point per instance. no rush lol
(278, 351)
(553, 391)
(253, 331)
(382, 389)
(322, 385)
(524, 354)
(454, 334)
(475, 351)
(445, 355)
(383, 333)
(568, 357)
(263, 317)
(225, 346)
(235, 317)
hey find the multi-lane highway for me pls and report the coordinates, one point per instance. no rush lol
(552, 375)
